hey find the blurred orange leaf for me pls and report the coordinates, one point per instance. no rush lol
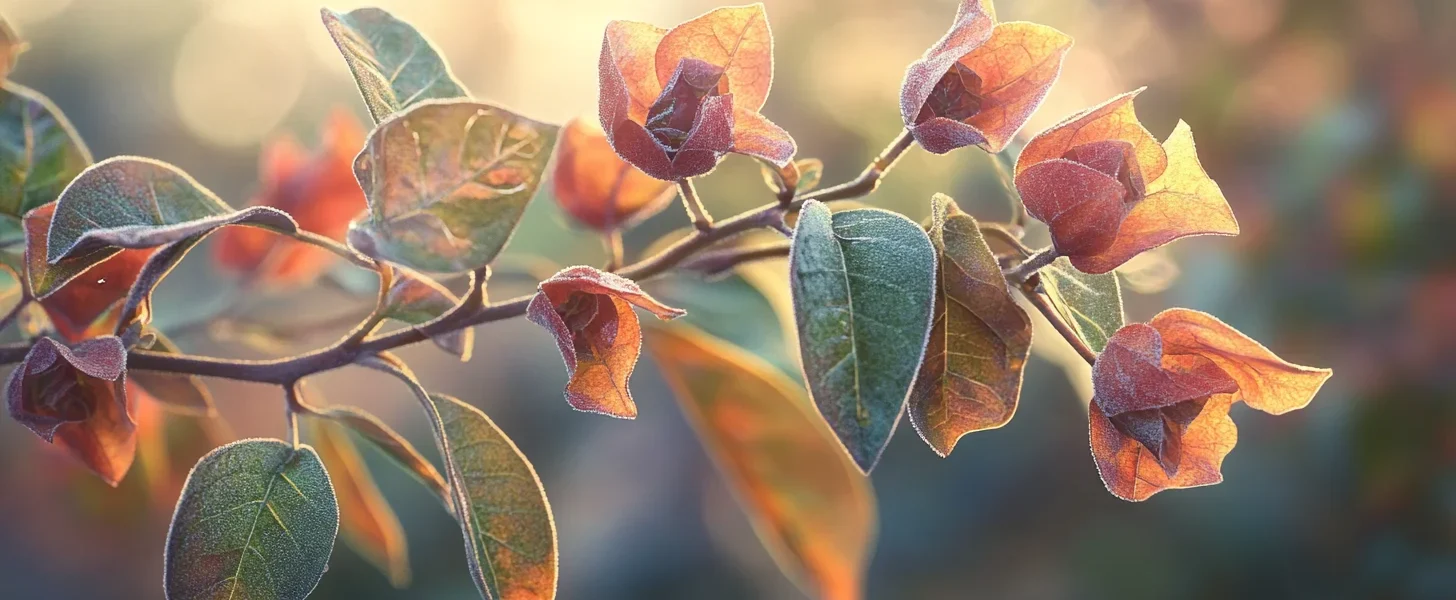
(366, 521)
(809, 503)
(597, 187)
(319, 190)
(80, 290)
(590, 314)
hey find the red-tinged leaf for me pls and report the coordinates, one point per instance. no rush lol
(981, 82)
(1184, 201)
(1113, 120)
(318, 190)
(75, 397)
(1162, 392)
(589, 312)
(735, 38)
(970, 379)
(597, 187)
(1266, 382)
(1083, 207)
(77, 292)
(807, 501)
(11, 46)
(754, 135)
(366, 522)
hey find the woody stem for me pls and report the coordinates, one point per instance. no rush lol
(1031, 290)
(701, 219)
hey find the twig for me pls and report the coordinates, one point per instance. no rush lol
(1023, 272)
(701, 219)
(718, 261)
(613, 241)
(381, 304)
(869, 179)
(1030, 289)
(10, 317)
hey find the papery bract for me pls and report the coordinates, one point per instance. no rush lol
(590, 314)
(1162, 392)
(597, 187)
(318, 190)
(980, 83)
(673, 102)
(75, 397)
(1109, 191)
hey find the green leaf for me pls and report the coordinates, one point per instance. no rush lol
(510, 537)
(185, 394)
(447, 181)
(40, 151)
(133, 202)
(971, 377)
(256, 519)
(864, 284)
(1092, 304)
(393, 64)
(417, 299)
(809, 504)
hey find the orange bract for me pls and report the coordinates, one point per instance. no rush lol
(1162, 392)
(75, 398)
(1109, 191)
(980, 83)
(590, 314)
(596, 186)
(319, 191)
(673, 102)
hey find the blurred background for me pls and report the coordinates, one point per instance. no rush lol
(1330, 125)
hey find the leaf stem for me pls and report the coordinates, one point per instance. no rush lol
(381, 304)
(1031, 290)
(701, 219)
(14, 313)
(719, 261)
(327, 243)
(1023, 271)
(613, 241)
(869, 179)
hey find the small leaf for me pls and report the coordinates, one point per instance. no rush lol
(598, 188)
(811, 172)
(1092, 304)
(971, 377)
(447, 181)
(416, 299)
(808, 503)
(392, 444)
(185, 394)
(366, 522)
(39, 149)
(256, 519)
(510, 537)
(589, 312)
(393, 64)
(133, 202)
(864, 286)
(801, 175)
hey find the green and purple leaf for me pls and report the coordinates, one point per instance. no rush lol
(447, 182)
(40, 149)
(393, 64)
(256, 519)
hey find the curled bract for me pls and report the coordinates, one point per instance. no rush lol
(673, 102)
(75, 397)
(980, 83)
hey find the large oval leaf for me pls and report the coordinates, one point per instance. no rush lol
(808, 503)
(863, 283)
(366, 521)
(447, 181)
(256, 519)
(510, 537)
(394, 65)
(1092, 304)
(971, 377)
(134, 202)
(39, 150)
